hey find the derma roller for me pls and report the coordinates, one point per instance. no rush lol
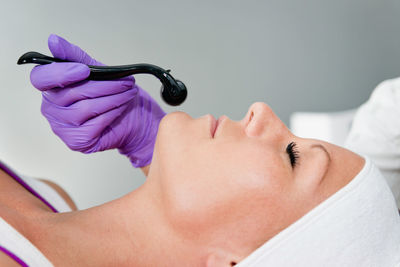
(173, 91)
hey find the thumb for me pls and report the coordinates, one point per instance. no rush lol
(62, 49)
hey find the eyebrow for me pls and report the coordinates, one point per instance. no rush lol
(327, 155)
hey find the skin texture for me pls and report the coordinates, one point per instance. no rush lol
(240, 183)
(207, 201)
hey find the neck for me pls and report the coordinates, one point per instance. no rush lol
(128, 230)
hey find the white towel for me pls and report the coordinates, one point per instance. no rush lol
(357, 226)
(376, 132)
(18, 245)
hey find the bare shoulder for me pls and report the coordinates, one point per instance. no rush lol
(61, 192)
(7, 261)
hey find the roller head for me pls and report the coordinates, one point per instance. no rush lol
(175, 94)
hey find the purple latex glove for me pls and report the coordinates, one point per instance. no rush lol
(91, 116)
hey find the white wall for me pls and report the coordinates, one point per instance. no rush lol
(295, 55)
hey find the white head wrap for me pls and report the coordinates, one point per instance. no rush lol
(357, 226)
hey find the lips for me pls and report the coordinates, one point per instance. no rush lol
(214, 126)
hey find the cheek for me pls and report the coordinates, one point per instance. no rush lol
(212, 186)
(192, 185)
(261, 167)
(208, 184)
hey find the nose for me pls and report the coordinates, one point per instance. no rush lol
(261, 121)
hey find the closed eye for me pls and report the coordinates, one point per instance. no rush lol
(293, 153)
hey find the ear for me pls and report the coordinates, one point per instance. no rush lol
(221, 259)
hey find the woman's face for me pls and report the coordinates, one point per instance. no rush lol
(246, 181)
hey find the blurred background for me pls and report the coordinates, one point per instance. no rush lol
(307, 55)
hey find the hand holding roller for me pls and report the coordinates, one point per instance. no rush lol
(91, 108)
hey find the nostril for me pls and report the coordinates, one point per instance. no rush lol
(250, 117)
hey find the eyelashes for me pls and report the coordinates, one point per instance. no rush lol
(293, 153)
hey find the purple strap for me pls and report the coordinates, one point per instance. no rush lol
(27, 187)
(14, 257)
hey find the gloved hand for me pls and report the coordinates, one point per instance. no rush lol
(91, 116)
